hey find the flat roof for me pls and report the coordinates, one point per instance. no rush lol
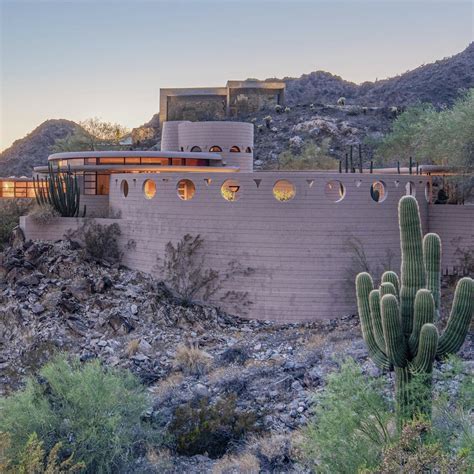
(134, 168)
(135, 154)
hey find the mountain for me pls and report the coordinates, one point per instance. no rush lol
(438, 83)
(33, 150)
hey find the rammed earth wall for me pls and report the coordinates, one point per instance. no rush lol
(299, 249)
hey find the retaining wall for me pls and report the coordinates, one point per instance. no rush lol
(302, 250)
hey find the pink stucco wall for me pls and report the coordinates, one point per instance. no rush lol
(298, 249)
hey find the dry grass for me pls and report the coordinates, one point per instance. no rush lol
(161, 459)
(245, 463)
(192, 361)
(132, 347)
(165, 386)
(221, 373)
(316, 341)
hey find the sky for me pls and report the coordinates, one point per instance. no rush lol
(76, 59)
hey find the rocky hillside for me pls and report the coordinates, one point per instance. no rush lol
(438, 83)
(33, 150)
(53, 299)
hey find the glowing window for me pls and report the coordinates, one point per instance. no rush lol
(230, 190)
(410, 189)
(284, 190)
(335, 191)
(149, 188)
(124, 187)
(186, 189)
(378, 191)
(196, 149)
(215, 149)
(235, 149)
(248, 150)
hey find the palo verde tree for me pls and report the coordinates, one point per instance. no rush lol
(398, 318)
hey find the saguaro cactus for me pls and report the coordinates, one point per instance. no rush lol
(397, 320)
(60, 190)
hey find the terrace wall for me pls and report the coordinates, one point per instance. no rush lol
(300, 249)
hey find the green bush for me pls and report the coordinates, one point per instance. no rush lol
(312, 157)
(350, 424)
(94, 412)
(200, 428)
(10, 212)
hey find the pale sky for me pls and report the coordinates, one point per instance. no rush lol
(76, 59)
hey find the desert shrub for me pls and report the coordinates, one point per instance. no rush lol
(184, 270)
(350, 424)
(244, 463)
(234, 354)
(34, 459)
(192, 360)
(43, 214)
(274, 452)
(452, 410)
(10, 212)
(199, 427)
(95, 412)
(100, 242)
(341, 101)
(268, 120)
(416, 451)
(311, 157)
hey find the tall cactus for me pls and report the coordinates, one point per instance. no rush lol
(397, 320)
(59, 189)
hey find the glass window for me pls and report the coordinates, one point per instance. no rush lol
(195, 149)
(378, 191)
(124, 187)
(215, 149)
(284, 190)
(235, 149)
(335, 191)
(149, 188)
(186, 189)
(230, 190)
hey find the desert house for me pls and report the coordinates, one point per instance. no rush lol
(302, 233)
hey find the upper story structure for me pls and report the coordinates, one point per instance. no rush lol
(217, 103)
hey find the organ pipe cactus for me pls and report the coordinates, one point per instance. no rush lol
(60, 190)
(397, 319)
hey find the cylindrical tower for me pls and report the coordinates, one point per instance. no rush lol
(169, 136)
(232, 140)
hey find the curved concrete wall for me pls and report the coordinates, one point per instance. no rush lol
(223, 134)
(170, 136)
(299, 249)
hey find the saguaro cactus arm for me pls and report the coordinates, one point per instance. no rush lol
(459, 320)
(392, 331)
(376, 318)
(424, 313)
(423, 362)
(364, 286)
(392, 277)
(413, 268)
(432, 257)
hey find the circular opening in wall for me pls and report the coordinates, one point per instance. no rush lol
(335, 191)
(410, 189)
(196, 149)
(186, 189)
(378, 191)
(215, 149)
(234, 149)
(428, 192)
(124, 187)
(149, 188)
(248, 150)
(230, 190)
(284, 190)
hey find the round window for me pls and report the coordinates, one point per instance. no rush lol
(335, 191)
(284, 190)
(186, 189)
(378, 191)
(230, 190)
(124, 187)
(410, 189)
(149, 188)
